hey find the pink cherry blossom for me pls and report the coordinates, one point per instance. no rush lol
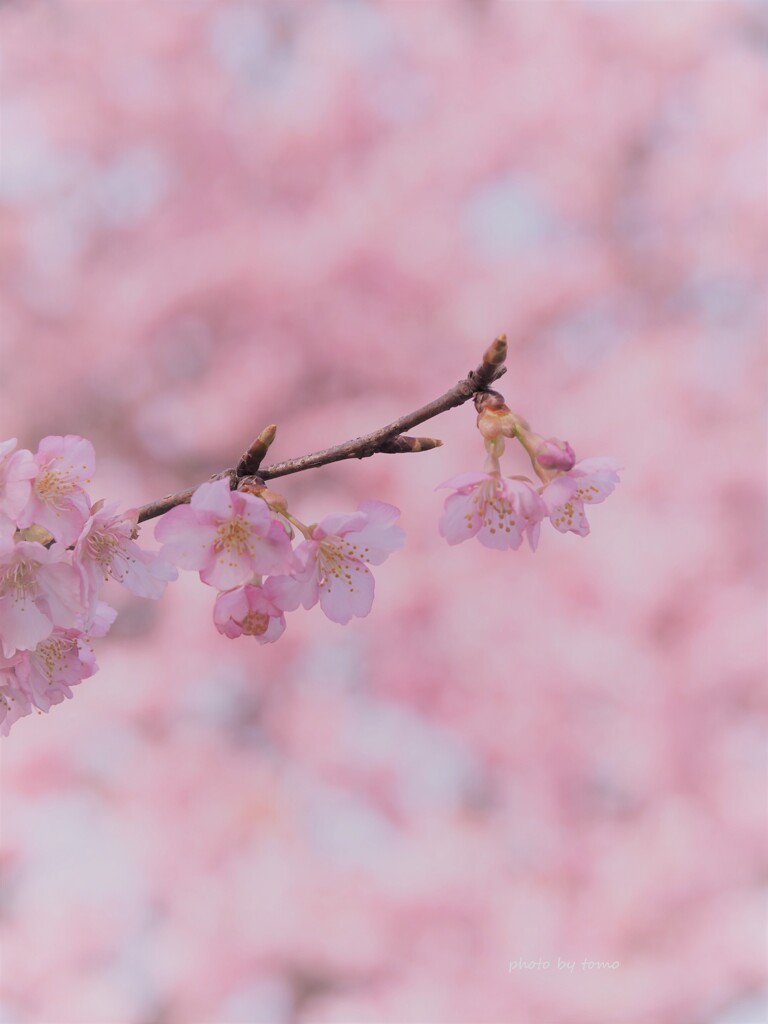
(17, 469)
(40, 678)
(498, 510)
(107, 549)
(333, 562)
(251, 611)
(58, 501)
(590, 481)
(37, 679)
(39, 589)
(48, 673)
(226, 535)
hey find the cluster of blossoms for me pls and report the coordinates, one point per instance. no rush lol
(501, 510)
(57, 550)
(235, 539)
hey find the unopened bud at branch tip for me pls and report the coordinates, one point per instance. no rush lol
(267, 436)
(253, 458)
(496, 353)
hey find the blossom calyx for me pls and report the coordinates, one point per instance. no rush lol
(494, 417)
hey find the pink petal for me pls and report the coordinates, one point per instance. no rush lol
(186, 541)
(60, 586)
(225, 570)
(214, 496)
(454, 524)
(381, 536)
(464, 480)
(72, 456)
(254, 511)
(273, 553)
(22, 625)
(337, 524)
(229, 609)
(274, 630)
(341, 600)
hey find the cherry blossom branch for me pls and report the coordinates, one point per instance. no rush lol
(390, 439)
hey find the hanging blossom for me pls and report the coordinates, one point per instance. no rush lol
(225, 535)
(501, 510)
(333, 560)
(588, 483)
(57, 550)
(251, 610)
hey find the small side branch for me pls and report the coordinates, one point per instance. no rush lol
(390, 439)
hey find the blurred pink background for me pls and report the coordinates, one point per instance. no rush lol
(218, 215)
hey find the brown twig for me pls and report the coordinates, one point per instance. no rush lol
(388, 439)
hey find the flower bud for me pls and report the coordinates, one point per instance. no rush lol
(252, 459)
(555, 454)
(496, 353)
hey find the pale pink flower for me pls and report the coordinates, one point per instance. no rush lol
(498, 510)
(589, 482)
(58, 501)
(250, 610)
(17, 470)
(226, 535)
(38, 590)
(106, 549)
(39, 678)
(48, 673)
(333, 562)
